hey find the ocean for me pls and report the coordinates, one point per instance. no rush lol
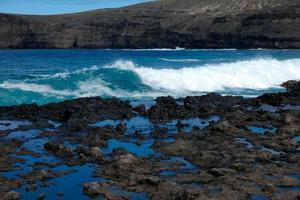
(44, 76)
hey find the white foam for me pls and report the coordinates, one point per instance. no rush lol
(33, 87)
(88, 88)
(66, 73)
(96, 87)
(60, 75)
(256, 74)
(85, 88)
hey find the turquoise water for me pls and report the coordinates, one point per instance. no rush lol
(43, 76)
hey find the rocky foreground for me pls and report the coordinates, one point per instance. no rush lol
(206, 147)
(162, 24)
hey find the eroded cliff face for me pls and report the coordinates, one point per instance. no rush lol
(162, 24)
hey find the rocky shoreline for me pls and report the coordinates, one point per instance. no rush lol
(206, 147)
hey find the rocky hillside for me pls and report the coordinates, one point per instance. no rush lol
(162, 24)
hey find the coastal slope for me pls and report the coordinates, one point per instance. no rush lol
(162, 24)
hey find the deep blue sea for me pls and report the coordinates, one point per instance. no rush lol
(43, 76)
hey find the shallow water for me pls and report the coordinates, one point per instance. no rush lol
(257, 197)
(131, 195)
(272, 151)
(24, 134)
(291, 107)
(142, 150)
(297, 138)
(190, 124)
(11, 124)
(261, 130)
(145, 126)
(44, 76)
(245, 141)
(296, 176)
(70, 185)
(36, 145)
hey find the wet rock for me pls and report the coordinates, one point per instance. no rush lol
(96, 152)
(9, 184)
(119, 151)
(272, 99)
(238, 166)
(98, 137)
(80, 149)
(38, 175)
(77, 125)
(140, 109)
(160, 133)
(42, 196)
(89, 154)
(92, 189)
(180, 125)
(222, 171)
(269, 188)
(182, 147)
(12, 195)
(166, 108)
(139, 135)
(31, 187)
(123, 165)
(292, 86)
(201, 178)
(85, 109)
(59, 149)
(288, 182)
(121, 127)
(264, 157)
(224, 126)
(53, 146)
(171, 190)
(126, 160)
(60, 194)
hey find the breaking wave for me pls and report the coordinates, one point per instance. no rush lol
(258, 74)
(126, 79)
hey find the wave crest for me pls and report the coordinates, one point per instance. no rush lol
(258, 74)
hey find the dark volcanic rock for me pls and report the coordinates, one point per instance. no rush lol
(76, 112)
(12, 195)
(164, 23)
(58, 149)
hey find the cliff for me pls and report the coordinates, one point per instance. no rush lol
(162, 24)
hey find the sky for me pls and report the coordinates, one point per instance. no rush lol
(48, 7)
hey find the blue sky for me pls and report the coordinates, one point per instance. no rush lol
(46, 7)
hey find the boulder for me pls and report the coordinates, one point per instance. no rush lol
(12, 195)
